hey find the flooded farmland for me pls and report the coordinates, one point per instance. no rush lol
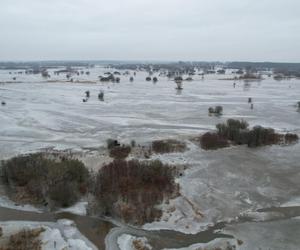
(253, 192)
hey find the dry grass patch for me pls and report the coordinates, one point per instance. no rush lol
(120, 152)
(168, 146)
(25, 240)
(211, 141)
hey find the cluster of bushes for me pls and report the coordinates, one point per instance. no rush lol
(42, 179)
(217, 110)
(250, 76)
(168, 146)
(130, 190)
(233, 130)
(118, 151)
(210, 141)
(290, 138)
(25, 240)
(237, 132)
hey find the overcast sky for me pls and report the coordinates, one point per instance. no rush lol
(225, 30)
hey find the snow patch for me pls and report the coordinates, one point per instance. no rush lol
(80, 208)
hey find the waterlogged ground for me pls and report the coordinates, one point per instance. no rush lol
(224, 185)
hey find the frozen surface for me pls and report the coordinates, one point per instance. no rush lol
(215, 244)
(275, 235)
(79, 208)
(220, 185)
(41, 114)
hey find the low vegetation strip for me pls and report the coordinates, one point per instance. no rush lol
(238, 132)
(168, 146)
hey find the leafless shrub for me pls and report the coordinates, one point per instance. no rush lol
(120, 152)
(168, 146)
(130, 190)
(211, 141)
(25, 240)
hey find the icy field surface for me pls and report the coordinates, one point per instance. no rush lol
(42, 114)
(222, 184)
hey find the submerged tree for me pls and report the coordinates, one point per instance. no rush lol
(217, 110)
(178, 80)
(101, 96)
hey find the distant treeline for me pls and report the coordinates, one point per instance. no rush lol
(42, 64)
(155, 66)
(264, 66)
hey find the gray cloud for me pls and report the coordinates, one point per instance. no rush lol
(256, 30)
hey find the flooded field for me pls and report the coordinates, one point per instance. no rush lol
(224, 185)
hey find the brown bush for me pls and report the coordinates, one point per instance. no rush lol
(211, 141)
(139, 245)
(238, 133)
(119, 152)
(25, 240)
(39, 177)
(130, 190)
(291, 138)
(260, 136)
(168, 146)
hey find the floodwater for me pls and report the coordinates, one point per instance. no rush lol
(40, 114)
(96, 229)
(223, 184)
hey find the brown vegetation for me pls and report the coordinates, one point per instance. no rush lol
(168, 146)
(211, 141)
(139, 245)
(237, 132)
(291, 138)
(120, 152)
(130, 190)
(250, 76)
(24, 240)
(42, 179)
